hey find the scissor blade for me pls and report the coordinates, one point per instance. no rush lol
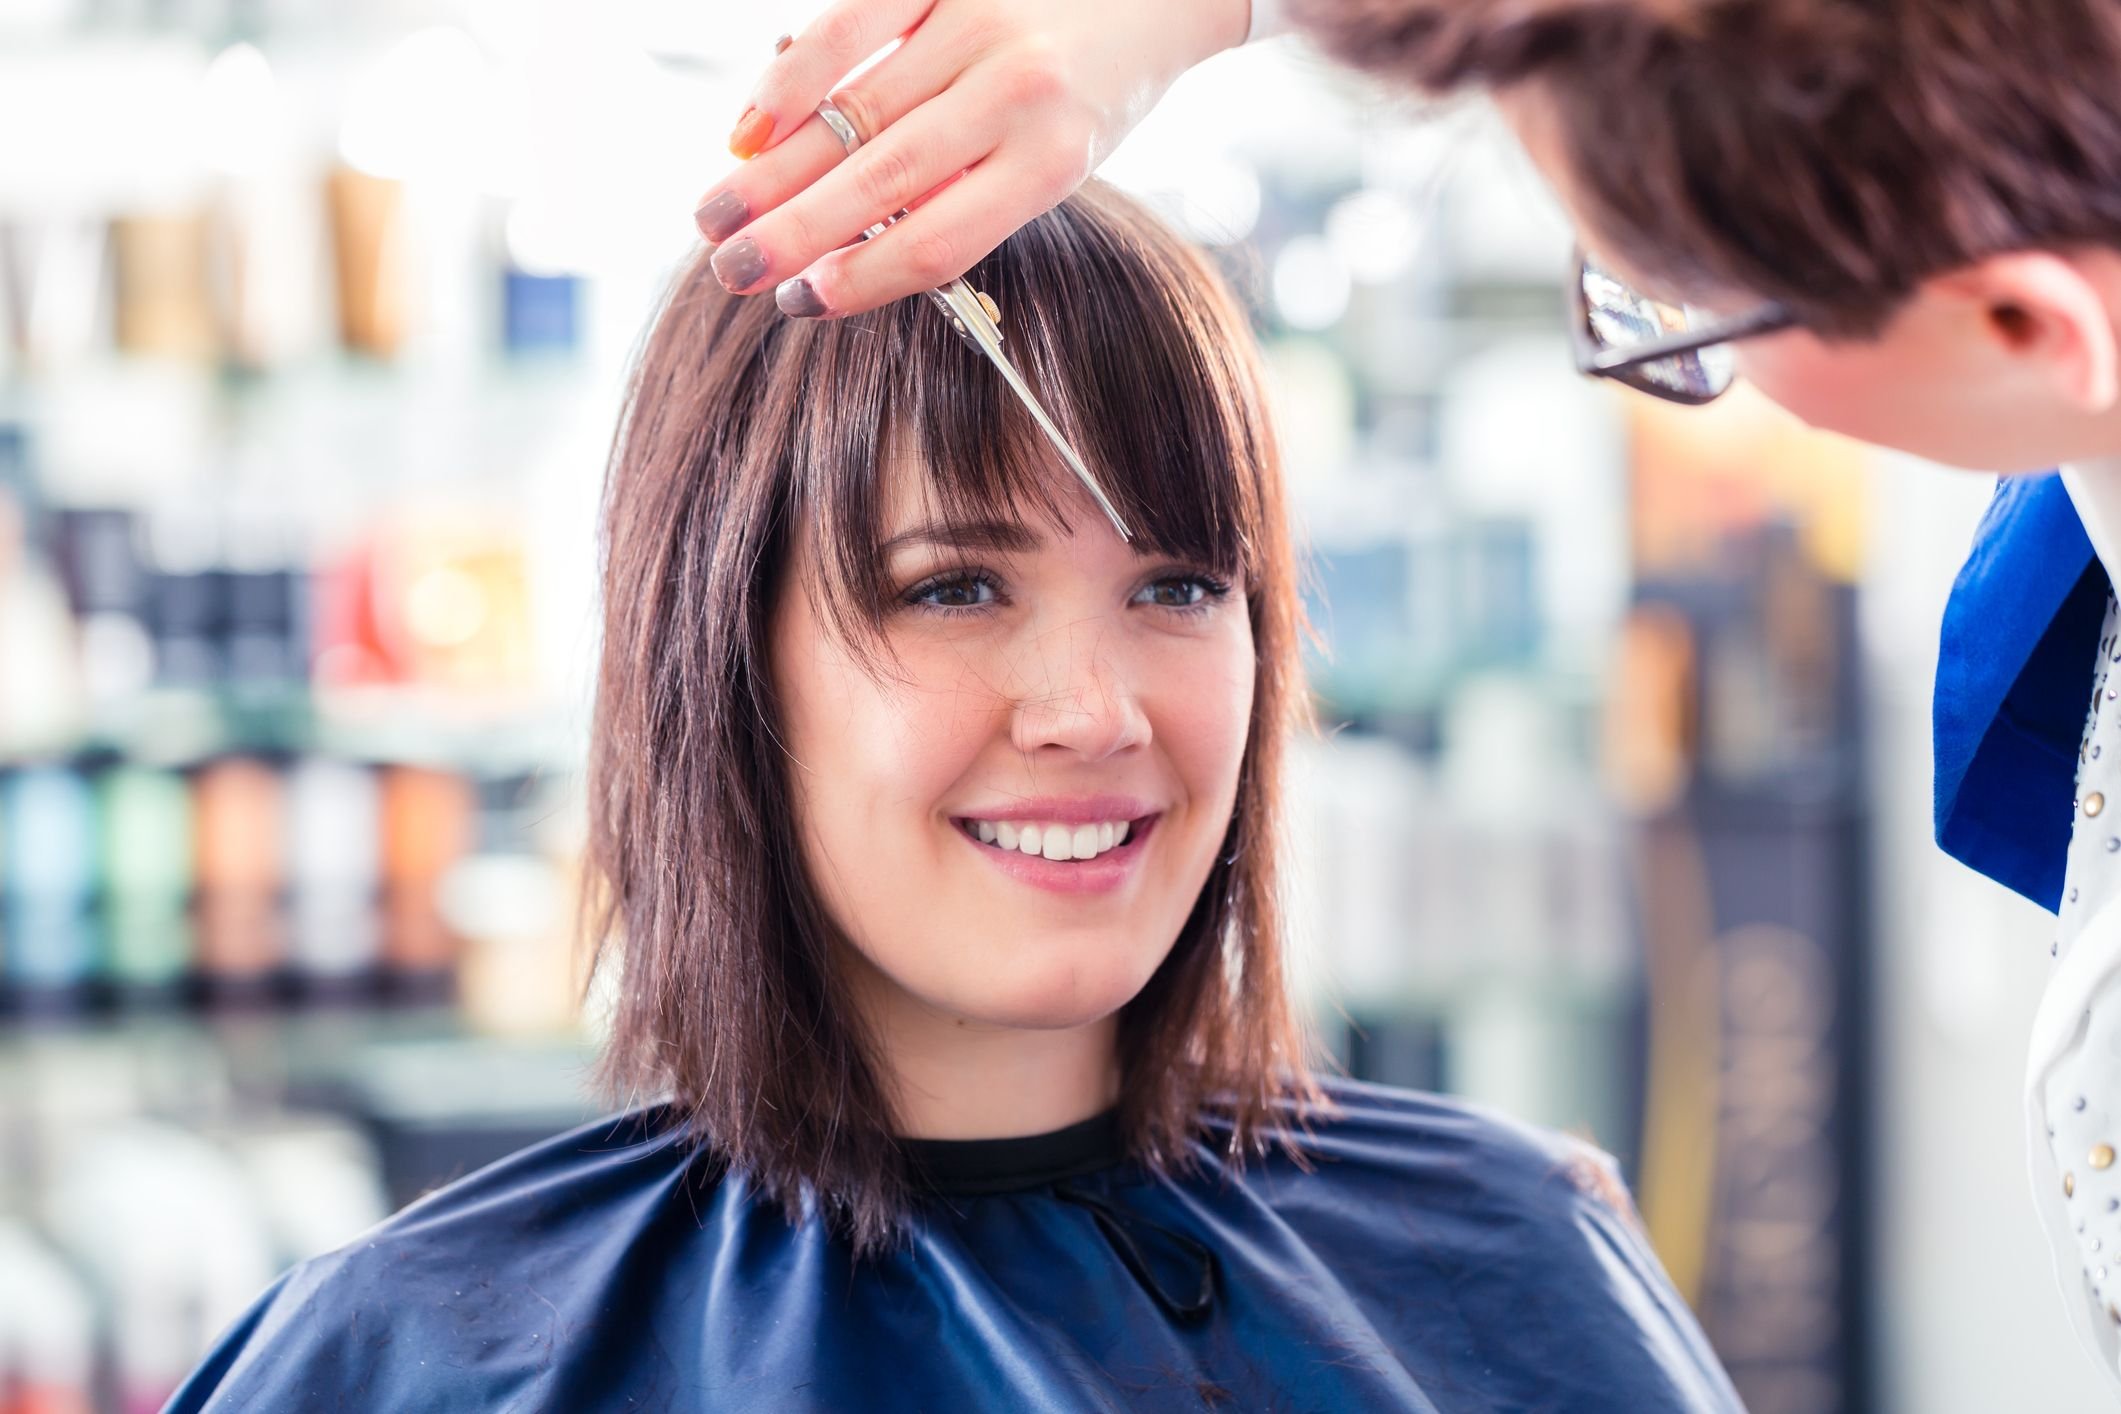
(1054, 435)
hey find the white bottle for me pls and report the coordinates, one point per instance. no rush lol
(41, 703)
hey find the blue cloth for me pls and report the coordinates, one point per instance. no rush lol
(2014, 674)
(1432, 1257)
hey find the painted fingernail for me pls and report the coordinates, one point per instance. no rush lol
(720, 217)
(752, 131)
(739, 264)
(797, 297)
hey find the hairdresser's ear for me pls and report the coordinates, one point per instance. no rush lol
(2048, 315)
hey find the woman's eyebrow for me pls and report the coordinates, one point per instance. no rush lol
(1011, 537)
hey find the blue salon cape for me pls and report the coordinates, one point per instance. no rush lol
(2014, 676)
(1434, 1257)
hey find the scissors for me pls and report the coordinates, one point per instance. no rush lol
(974, 317)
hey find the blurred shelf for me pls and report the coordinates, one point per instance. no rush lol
(180, 727)
(419, 1060)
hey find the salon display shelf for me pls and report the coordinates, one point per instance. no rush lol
(113, 420)
(176, 728)
(434, 1096)
(1405, 703)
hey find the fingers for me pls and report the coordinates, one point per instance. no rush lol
(942, 239)
(801, 75)
(911, 158)
(906, 78)
(1016, 109)
(768, 180)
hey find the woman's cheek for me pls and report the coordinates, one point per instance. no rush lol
(1208, 709)
(941, 710)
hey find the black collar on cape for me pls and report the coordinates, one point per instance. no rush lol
(969, 1168)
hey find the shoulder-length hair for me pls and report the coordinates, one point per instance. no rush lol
(741, 425)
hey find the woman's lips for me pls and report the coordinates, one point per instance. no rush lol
(1107, 871)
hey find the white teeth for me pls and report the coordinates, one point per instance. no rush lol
(1051, 841)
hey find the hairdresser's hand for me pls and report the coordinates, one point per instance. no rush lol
(989, 113)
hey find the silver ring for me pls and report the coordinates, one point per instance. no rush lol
(841, 128)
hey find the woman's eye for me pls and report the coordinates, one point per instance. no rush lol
(976, 589)
(1184, 591)
(961, 591)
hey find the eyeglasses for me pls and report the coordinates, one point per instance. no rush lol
(1670, 351)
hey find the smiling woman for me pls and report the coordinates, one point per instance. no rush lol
(822, 653)
(937, 829)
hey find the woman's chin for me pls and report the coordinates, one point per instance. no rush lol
(1048, 998)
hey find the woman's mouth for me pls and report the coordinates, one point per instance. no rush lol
(1065, 858)
(1049, 839)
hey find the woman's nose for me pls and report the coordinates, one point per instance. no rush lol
(1078, 694)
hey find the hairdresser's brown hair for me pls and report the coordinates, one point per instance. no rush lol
(1828, 154)
(741, 425)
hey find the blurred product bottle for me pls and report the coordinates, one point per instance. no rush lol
(66, 311)
(335, 832)
(40, 686)
(318, 1179)
(1650, 741)
(1367, 813)
(1540, 1053)
(514, 912)
(148, 853)
(541, 314)
(48, 832)
(429, 823)
(433, 600)
(1429, 604)
(106, 583)
(266, 645)
(268, 244)
(240, 826)
(47, 1328)
(164, 307)
(189, 609)
(1499, 590)
(230, 610)
(356, 643)
(168, 1225)
(14, 281)
(514, 903)
(370, 254)
(462, 606)
(15, 473)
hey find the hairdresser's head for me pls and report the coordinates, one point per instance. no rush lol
(1933, 189)
(859, 617)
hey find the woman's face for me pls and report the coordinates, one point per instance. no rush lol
(1010, 820)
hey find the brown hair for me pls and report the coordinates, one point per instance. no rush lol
(1827, 154)
(741, 425)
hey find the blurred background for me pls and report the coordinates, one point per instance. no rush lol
(313, 323)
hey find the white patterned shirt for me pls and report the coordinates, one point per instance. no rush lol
(2073, 1073)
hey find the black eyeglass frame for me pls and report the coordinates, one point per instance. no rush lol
(1596, 359)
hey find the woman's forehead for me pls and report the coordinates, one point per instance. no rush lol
(1191, 503)
(912, 503)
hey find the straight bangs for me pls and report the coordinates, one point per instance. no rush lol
(1133, 349)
